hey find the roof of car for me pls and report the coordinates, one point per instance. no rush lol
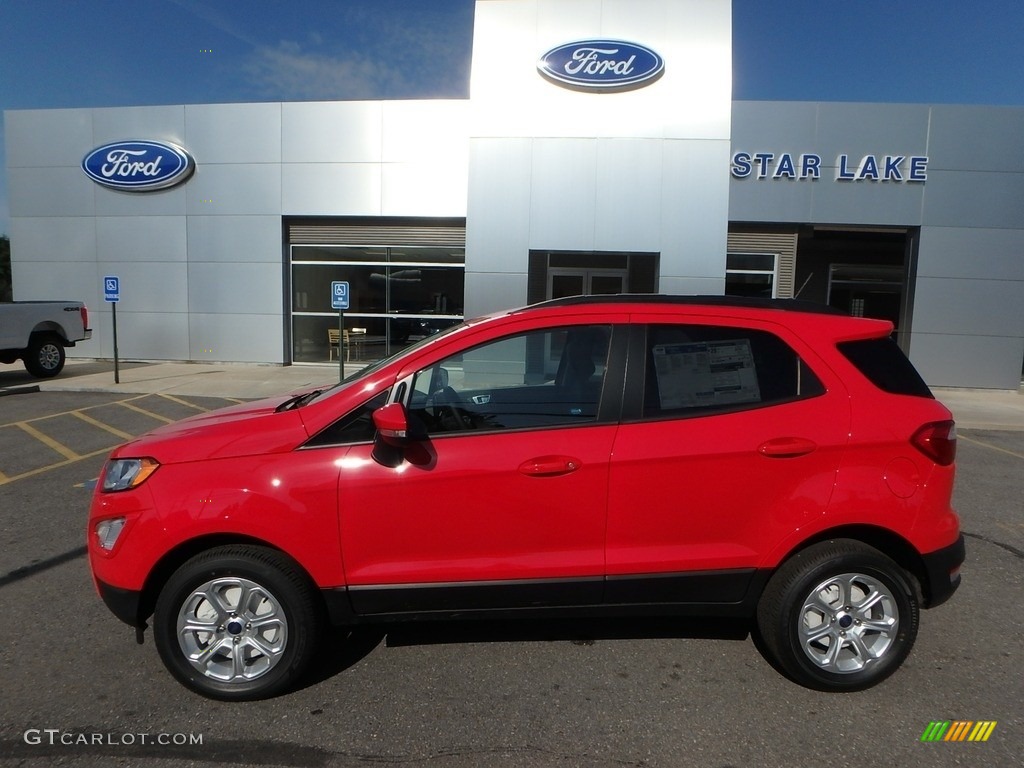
(791, 305)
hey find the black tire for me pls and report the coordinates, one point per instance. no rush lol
(259, 607)
(45, 355)
(839, 616)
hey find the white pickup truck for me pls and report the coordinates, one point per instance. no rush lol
(37, 332)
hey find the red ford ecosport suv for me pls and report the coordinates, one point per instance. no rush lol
(629, 455)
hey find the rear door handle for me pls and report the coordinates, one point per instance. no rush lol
(549, 466)
(786, 447)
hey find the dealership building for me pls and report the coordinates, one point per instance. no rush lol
(599, 151)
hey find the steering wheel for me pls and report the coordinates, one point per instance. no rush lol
(449, 411)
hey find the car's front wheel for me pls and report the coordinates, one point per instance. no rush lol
(237, 623)
(839, 616)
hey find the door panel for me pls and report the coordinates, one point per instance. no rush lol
(698, 494)
(506, 481)
(737, 444)
(478, 508)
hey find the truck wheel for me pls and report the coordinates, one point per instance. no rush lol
(45, 355)
(237, 623)
(839, 616)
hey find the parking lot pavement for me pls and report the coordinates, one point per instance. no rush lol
(984, 408)
(40, 434)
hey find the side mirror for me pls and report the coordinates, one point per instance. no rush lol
(392, 424)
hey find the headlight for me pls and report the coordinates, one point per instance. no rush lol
(107, 532)
(122, 474)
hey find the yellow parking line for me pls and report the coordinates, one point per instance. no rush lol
(97, 423)
(48, 441)
(136, 408)
(1010, 528)
(48, 467)
(3, 478)
(179, 401)
(962, 436)
(66, 413)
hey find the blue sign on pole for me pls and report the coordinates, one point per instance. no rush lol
(111, 288)
(339, 295)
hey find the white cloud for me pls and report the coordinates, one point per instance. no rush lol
(361, 50)
(287, 71)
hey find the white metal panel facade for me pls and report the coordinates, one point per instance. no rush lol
(637, 169)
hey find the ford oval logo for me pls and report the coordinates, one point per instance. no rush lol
(602, 65)
(139, 166)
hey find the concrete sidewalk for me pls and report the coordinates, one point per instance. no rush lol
(972, 408)
(233, 380)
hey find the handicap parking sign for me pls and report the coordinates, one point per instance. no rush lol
(339, 295)
(111, 288)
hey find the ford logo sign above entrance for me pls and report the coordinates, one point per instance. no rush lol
(138, 166)
(601, 65)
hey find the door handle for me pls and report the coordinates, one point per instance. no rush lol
(786, 447)
(549, 466)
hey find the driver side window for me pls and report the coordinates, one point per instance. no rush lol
(532, 380)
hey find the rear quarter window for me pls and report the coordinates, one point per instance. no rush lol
(883, 363)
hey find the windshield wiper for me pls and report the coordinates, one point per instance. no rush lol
(298, 401)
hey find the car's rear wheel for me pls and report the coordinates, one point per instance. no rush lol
(45, 355)
(839, 616)
(237, 623)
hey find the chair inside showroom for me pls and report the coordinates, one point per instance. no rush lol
(332, 341)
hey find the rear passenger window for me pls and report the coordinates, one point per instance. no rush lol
(697, 369)
(885, 366)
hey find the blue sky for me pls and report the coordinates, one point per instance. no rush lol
(98, 53)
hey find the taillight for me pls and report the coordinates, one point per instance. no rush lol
(937, 441)
(85, 318)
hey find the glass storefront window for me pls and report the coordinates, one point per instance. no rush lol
(397, 296)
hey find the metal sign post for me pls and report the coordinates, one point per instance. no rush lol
(112, 295)
(340, 301)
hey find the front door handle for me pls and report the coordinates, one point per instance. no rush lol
(786, 447)
(549, 466)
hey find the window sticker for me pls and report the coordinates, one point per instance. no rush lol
(705, 373)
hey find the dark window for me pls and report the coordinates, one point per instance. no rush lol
(532, 380)
(751, 274)
(885, 366)
(354, 427)
(697, 369)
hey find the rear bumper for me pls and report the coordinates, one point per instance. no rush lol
(123, 603)
(942, 572)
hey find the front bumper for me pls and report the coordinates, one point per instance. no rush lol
(942, 572)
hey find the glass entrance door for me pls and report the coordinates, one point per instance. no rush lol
(562, 285)
(565, 282)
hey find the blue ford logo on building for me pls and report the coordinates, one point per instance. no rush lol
(138, 166)
(601, 65)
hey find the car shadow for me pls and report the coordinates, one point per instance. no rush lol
(339, 649)
(344, 647)
(578, 631)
